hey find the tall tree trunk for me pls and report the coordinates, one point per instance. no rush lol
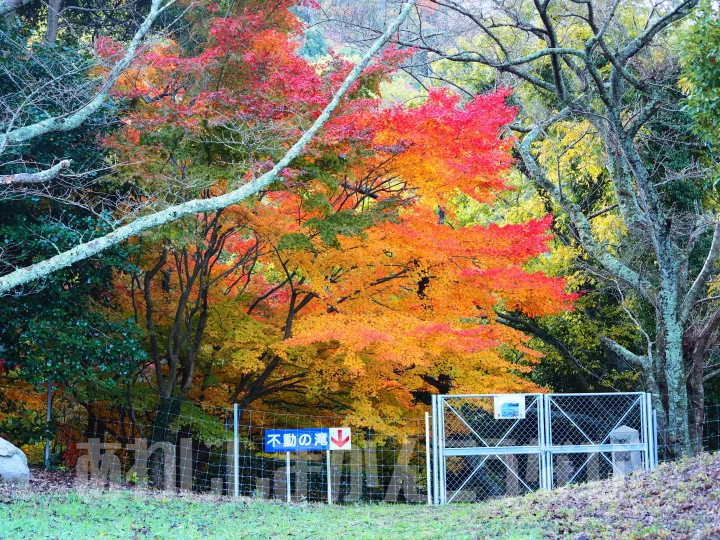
(168, 411)
(699, 339)
(96, 427)
(53, 21)
(677, 404)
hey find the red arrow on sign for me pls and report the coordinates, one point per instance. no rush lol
(339, 441)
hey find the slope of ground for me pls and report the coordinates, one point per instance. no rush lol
(676, 501)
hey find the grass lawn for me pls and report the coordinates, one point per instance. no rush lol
(676, 501)
(126, 515)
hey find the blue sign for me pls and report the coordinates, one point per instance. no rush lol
(297, 440)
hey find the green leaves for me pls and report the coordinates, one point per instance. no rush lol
(342, 224)
(72, 341)
(65, 328)
(295, 242)
(701, 70)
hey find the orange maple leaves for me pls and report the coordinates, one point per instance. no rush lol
(394, 295)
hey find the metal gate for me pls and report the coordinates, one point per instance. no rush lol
(478, 457)
(557, 439)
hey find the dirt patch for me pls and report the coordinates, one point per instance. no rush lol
(41, 481)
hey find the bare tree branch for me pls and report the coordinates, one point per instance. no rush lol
(35, 178)
(73, 120)
(698, 285)
(88, 249)
(642, 362)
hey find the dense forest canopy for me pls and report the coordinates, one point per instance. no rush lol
(341, 208)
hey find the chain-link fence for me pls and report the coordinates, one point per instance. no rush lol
(598, 436)
(483, 456)
(489, 446)
(558, 439)
(711, 428)
(709, 436)
(183, 446)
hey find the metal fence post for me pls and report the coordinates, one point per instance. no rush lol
(645, 419)
(541, 440)
(287, 476)
(427, 456)
(655, 438)
(236, 452)
(48, 417)
(644, 433)
(442, 473)
(547, 435)
(329, 476)
(652, 436)
(435, 442)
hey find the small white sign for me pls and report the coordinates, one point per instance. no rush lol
(509, 407)
(340, 438)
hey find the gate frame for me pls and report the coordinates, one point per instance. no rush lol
(645, 403)
(441, 452)
(544, 449)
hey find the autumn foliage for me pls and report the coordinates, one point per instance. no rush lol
(359, 292)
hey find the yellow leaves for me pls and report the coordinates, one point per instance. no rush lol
(609, 228)
(353, 363)
(714, 287)
(572, 154)
(382, 358)
(34, 452)
(238, 342)
(245, 360)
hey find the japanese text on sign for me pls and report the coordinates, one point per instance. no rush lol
(301, 440)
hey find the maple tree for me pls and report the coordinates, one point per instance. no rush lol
(411, 302)
(191, 121)
(356, 292)
(115, 56)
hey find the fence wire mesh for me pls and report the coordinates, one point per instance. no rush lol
(475, 477)
(182, 446)
(555, 440)
(593, 419)
(178, 445)
(582, 426)
(709, 437)
(469, 423)
(576, 467)
(711, 428)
